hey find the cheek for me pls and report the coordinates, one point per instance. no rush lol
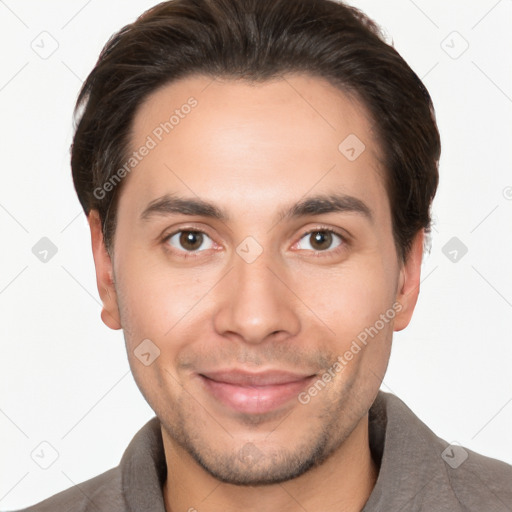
(155, 300)
(155, 306)
(350, 302)
(349, 298)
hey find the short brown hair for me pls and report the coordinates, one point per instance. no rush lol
(257, 40)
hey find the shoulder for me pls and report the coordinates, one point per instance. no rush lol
(478, 481)
(421, 471)
(137, 479)
(103, 492)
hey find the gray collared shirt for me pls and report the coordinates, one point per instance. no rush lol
(418, 472)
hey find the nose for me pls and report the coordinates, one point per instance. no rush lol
(255, 302)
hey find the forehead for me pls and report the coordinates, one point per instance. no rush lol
(271, 142)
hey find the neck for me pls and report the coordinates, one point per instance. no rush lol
(343, 483)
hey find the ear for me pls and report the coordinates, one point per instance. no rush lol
(409, 283)
(104, 273)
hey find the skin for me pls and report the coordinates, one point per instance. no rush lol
(254, 150)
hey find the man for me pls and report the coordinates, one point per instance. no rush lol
(258, 177)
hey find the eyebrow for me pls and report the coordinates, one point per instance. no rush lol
(169, 205)
(316, 205)
(332, 203)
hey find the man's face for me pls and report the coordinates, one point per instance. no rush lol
(301, 262)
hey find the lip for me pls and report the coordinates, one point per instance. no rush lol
(254, 393)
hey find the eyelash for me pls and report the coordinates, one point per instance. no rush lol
(319, 254)
(183, 254)
(194, 254)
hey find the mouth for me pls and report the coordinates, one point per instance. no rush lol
(254, 393)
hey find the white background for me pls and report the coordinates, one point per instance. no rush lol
(64, 375)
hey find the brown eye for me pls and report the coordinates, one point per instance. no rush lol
(190, 241)
(320, 240)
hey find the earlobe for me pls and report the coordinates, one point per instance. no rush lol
(104, 273)
(409, 283)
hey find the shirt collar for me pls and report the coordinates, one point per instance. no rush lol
(412, 471)
(144, 470)
(402, 446)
